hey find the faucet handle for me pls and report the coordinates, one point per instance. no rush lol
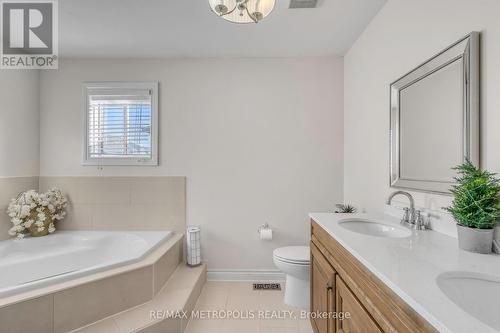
(406, 216)
(419, 221)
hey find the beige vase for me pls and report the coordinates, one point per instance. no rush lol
(34, 229)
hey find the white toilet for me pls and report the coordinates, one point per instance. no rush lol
(294, 262)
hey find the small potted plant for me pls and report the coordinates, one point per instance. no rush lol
(345, 209)
(475, 207)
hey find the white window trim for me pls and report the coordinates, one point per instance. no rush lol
(109, 161)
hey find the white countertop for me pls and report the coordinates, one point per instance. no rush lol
(410, 266)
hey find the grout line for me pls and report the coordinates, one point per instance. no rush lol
(153, 285)
(53, 313)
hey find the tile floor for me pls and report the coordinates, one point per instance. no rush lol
(238, 299)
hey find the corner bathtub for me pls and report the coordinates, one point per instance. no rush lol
(35, 262)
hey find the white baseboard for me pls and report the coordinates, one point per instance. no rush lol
(244, 275)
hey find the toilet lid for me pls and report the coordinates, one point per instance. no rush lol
(298, 254)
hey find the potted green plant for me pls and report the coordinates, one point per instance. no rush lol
(475, 207)
(345, 209)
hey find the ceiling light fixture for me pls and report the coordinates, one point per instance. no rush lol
(242, 11)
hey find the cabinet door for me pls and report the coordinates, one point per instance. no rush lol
(360, 320)
(322, 292)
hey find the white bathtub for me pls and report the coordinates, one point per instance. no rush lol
(36, 262)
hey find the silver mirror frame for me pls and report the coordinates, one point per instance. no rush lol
(466, 49)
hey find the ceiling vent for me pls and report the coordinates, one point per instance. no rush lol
(303, 3)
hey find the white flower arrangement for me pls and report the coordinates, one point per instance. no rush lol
(36, 213)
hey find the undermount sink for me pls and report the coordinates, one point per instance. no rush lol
(374, 228)
(477, 294)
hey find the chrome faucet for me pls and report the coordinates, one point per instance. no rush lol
(412, 218)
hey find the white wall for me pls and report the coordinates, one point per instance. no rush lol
(404, 34)
(19, 138)
(258, 139)
(19, 123)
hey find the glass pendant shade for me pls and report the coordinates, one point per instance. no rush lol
(242, 11)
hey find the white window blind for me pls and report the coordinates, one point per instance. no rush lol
(120, 125)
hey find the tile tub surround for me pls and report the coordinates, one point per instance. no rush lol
(88, 299)
(122, 203)
(180, 293)
(79, 306)
(35, 315)
(410, 266)
(10, 187)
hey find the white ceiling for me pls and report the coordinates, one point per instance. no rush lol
(188, 28)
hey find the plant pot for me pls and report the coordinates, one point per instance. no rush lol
(35, 233)
(33, 229)
(475, 240)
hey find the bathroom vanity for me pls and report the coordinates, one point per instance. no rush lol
(341, 284)
(393, 279)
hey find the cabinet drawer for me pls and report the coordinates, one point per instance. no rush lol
(322, 291)
(360, 320)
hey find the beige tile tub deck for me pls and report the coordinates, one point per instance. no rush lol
(79, 306)
(103, 326)
(165, 266)
(35, 315)
(180, 293)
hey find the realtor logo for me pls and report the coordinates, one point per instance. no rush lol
(29, 34)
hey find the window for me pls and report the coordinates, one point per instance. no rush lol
(121, 123)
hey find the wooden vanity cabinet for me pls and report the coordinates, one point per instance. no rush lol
(360, 320)
(341, 284)
(322, 292)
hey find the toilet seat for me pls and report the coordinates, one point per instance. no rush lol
(293, 261)
(297, 255)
